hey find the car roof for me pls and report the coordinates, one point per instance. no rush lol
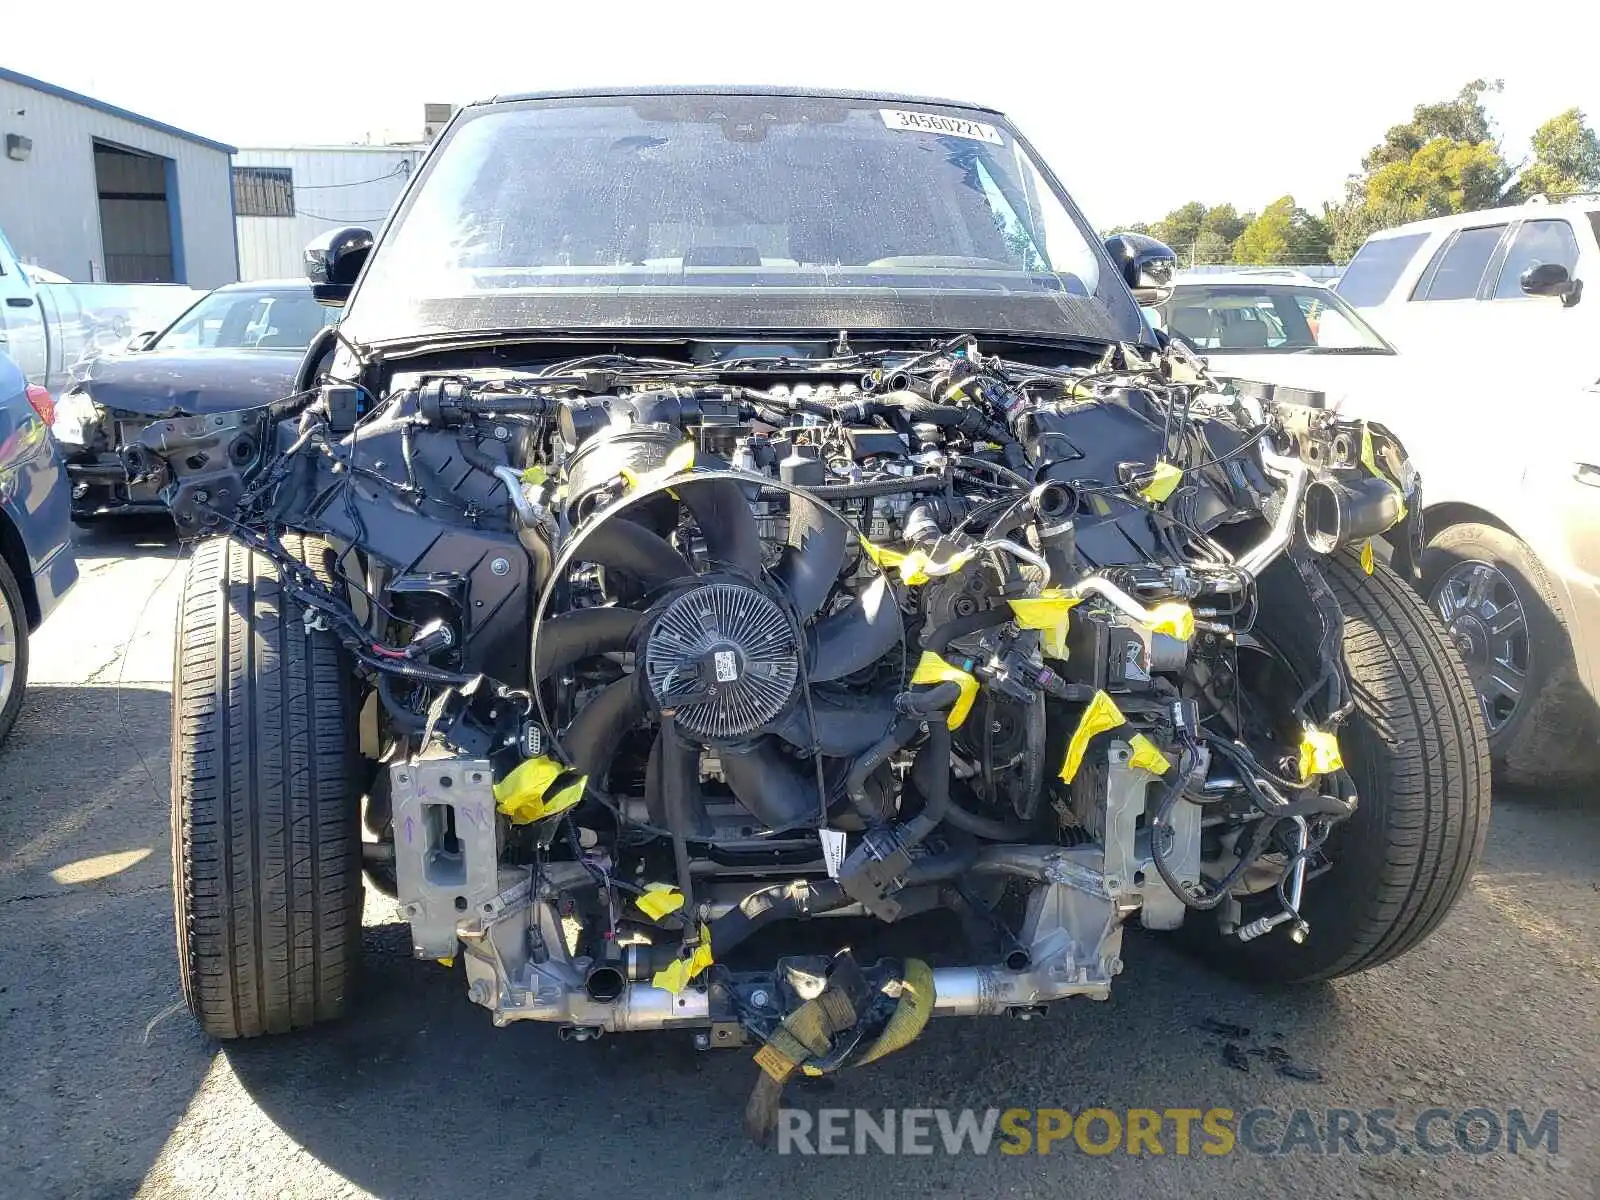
(1533, 210)
(732, 90)
(1266, 275)
(267, 285)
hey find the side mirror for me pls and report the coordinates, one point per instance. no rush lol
(1146, 265)
(1552, 279)
(333, 263)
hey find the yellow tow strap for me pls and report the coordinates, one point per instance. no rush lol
(808, 1033)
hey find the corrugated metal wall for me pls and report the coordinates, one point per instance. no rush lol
(49, 204)
(333, 186)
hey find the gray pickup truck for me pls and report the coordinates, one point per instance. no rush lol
(49, 328)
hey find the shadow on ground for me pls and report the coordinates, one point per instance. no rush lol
(95, 1080)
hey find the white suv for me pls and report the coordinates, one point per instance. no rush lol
(1498, 401)
(1505, 281)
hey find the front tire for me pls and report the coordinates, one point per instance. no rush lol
(1498, 603)
(1416, 749)
(13, 649)
(266, 846)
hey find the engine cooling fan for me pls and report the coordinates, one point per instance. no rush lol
(714, 639)
(722, 656)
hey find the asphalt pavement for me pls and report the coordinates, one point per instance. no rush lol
(108, 1089)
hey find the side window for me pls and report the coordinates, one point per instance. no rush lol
(1377, 266)
(1536, 242)
(1457, 268)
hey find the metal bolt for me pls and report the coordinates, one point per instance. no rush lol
(702, 1040)
(759, 998)
(501, 433)
(500, 566)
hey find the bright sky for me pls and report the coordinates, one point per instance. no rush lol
(1240, 102)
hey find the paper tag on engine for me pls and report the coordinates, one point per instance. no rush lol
(727, 666)
(832, 850)
(915, 122)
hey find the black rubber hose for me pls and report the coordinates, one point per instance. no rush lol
(592, 738)
(918, 707)
(939, 868)
(933, 781)
(986, 618)
(783, 902)
(476, 458)
(870, 760)
(969, 421)
(305, 375)
(401, 717)
(870, 487)
(565, 639)
(632, 549)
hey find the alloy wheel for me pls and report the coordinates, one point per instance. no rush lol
(1485, 617)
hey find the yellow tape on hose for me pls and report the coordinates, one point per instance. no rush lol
(1050, 613)
(933, 669)
(1369, 460)
(1319, 753)
(1101, 714)
(536, 789)
(915, 567)
(659, 899)
(1174, 619)
(676, 975)
(1165, 481)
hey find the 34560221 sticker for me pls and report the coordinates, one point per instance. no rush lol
(918, 122)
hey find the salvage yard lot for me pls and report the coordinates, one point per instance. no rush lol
(109, 1089)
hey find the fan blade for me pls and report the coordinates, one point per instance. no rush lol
(565, 639)
(724, 517)
(592, 738)
(779, 792)
(856, 636)
(810, 563)
(620, 545)
(845, 725)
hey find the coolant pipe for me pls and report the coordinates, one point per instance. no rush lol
(509, 476)
(1096, 585)
(1260, 557)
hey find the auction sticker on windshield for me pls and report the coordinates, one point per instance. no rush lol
(915, 122)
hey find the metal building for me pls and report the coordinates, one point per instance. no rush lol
(98, 193)
(287, 195)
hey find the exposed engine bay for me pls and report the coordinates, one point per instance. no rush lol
(666, 655)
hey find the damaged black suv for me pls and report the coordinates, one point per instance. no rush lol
(728, 511)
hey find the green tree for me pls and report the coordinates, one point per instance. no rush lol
(1224, 223)
(1444, 160)
(1180, 228)
(1566, 157)
(1283, 233)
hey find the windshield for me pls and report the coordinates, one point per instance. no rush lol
(1268, 318)
(241, 319)
(735, 211)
